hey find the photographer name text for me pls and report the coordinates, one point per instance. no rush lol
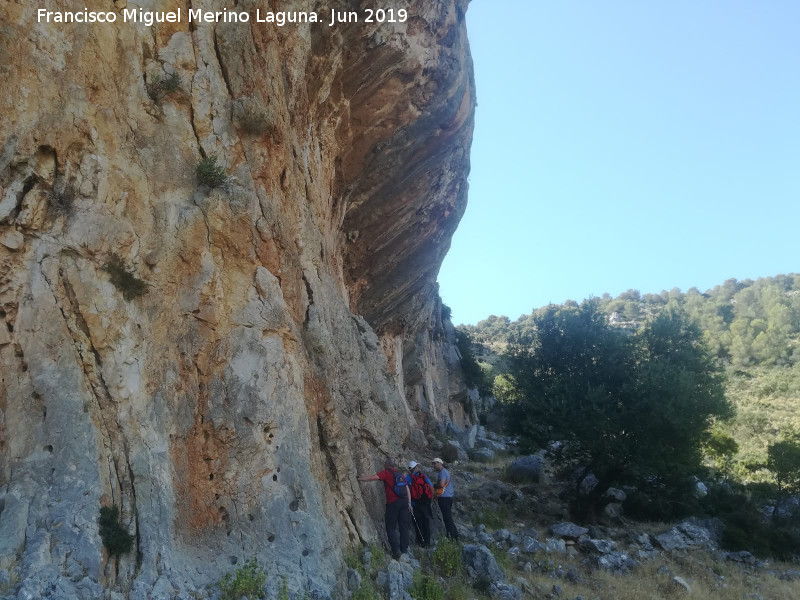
(279, 18)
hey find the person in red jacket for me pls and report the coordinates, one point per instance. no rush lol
(398, 506)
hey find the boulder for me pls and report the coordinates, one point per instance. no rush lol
(502, 535)
(588, 484)
(555, 546)
(480, 563)
(683, 536)
(529, 545)
(396, 579)
(615, 494)
(503, 591)
(491, 445)
(353, 580)
(481, 455)
(452, 451)
(467, 438)
(699, 489)
(613, 511)
(597, 546)
(616, 562)
(568, 531)
(527, 468)
(680, 584)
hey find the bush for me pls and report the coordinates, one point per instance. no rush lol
(425, 587)
(447, 557)
(366, 591)
(125, 281)
(447, 312)
(115, 537)
(248, 580)
(160, 87)
(211, 174)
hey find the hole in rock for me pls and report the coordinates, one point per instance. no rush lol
(211, 477)
(10, 327)
(250, 517)
(274, 478)
(48, 448)
(271, 538)
(306, 552)
(233, 560)
(294, 505)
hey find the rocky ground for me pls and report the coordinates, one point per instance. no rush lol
(518, 543)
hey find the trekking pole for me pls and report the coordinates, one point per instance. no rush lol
(419, 531)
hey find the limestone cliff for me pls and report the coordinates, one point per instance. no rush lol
(290, 334)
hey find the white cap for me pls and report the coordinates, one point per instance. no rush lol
(439, 460)
(412, 464)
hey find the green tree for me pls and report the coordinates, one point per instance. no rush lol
(783, 460)
(631, 408)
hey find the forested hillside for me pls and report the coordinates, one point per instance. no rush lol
(751, 327)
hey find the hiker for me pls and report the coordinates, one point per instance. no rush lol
(398, 506)
(443, 492)
(421, 497)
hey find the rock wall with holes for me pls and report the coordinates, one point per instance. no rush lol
(220, 361)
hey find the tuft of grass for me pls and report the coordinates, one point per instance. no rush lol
(125, 281)
(378, 556)
(493, 519)
(353, 561)
(447, 557)
(160, 87)
(503, 560)
(115, 537)
(210, 173)
(458, 590)
(248, 580)
(425, 587)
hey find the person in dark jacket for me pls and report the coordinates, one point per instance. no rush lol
(398, 506)
(421, 497)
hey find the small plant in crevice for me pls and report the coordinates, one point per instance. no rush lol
(160, 87)
(248, 580)
(122, 279)
(283, 590)
(62, 201)
(210, 173)
(115, 537)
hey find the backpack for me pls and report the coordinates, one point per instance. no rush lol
(400, 484)
(421, 488)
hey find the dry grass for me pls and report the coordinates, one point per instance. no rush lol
(708, 578)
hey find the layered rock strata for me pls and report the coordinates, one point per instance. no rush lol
(289, 335)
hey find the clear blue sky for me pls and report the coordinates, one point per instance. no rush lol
(627, 144)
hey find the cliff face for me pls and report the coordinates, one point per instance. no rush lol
(290, 335)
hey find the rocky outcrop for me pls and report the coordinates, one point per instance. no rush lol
(290, 333)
